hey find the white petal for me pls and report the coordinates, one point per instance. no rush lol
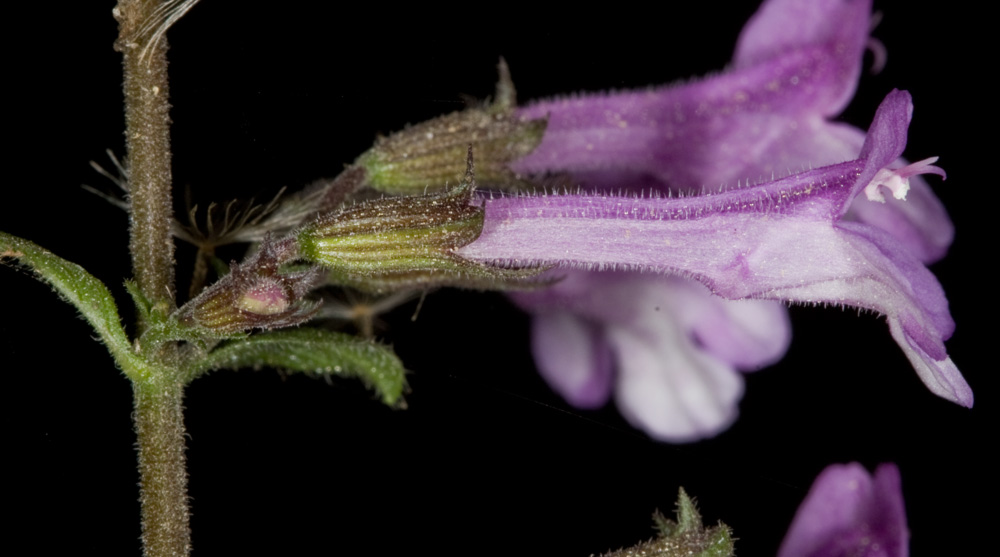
(668, 386)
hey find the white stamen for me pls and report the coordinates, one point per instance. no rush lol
(890, 180)
(898, 181)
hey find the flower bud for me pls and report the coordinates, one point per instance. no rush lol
(254, 295)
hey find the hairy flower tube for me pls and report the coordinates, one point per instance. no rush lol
(671, 358)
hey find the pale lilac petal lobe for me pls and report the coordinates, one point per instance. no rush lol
(672, 395)
(572, 357)
(848, 513)
(908, 275)
(838, 26)
(942, 377)
(749, 334)
(667, 385)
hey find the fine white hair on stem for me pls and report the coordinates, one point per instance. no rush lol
(162, 19)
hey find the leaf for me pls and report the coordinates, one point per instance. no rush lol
(84, 291)
(314, 351)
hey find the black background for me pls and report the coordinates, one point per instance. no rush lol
(486, 459)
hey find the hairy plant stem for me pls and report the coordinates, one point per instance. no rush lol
(159, 422)
(147, 142)
(158, 415)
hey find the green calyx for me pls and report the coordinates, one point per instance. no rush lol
(429, 156)
(685, 537)
(394, 243)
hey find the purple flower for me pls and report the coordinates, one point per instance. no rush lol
(785, 240)
(676, 348)
(849, 513)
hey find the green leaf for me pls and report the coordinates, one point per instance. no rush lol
(315, 351)
(84, 291)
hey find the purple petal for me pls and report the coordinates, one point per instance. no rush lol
(940, 375)
(748, 334)
(747, 122)
(572, 357)
(847, 513)
(779, 240)
(836, 28)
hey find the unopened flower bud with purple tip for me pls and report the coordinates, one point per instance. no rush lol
(269, 297)
(255, 294)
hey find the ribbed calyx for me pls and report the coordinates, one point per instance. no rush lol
(429, 156)
(394, 243)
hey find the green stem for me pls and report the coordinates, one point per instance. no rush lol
(147, 141)
(159, 418)
(159, 423)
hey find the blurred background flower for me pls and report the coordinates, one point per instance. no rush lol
(850, 513)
